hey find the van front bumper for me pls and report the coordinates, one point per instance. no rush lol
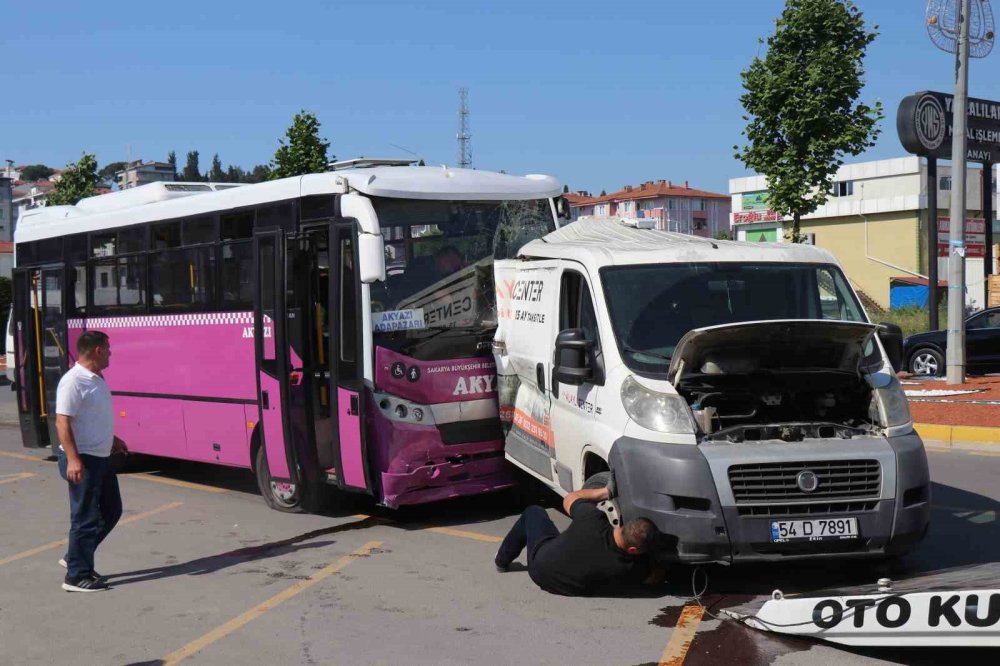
(674, 486)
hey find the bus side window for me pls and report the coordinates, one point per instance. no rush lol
(237, 275)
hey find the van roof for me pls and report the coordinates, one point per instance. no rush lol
(609, 241)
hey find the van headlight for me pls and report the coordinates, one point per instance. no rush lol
(662, 412)
(892, 404)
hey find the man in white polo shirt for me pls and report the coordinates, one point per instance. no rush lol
(85, 425)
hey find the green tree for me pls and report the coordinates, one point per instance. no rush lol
(34, 172)
(800, 102)
(603, 193)
(565, 189)
(172, 161)
(235, 174)
(258, 174)
(192, 172)
(302, 150)
(108, 171)
(216, 174)
(78, 181)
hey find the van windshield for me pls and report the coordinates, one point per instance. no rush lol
(653, 306)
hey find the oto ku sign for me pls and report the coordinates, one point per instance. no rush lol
(924, 122)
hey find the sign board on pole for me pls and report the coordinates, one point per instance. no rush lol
(975, 236)
(925, 124)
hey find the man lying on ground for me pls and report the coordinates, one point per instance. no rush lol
(588, 555)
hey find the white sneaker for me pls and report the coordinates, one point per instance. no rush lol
(62, 562)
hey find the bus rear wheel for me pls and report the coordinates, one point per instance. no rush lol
(279, 495)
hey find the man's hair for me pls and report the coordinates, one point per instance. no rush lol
(89, 341)
(639, 533)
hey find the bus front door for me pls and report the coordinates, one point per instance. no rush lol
(326, 388)
(346, 351)
(39, 350)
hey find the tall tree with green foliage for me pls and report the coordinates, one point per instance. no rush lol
(172, 161)
(34, 172)
(192, 172)
(258, 174)
(801, 104)
(108, 171)
(302, 150)
(78, 181)
(216, 174)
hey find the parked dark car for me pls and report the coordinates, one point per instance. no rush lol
(924, 353)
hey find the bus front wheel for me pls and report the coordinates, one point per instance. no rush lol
(279, 495)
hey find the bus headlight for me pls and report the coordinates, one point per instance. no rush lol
(892, 404)
(662, 412)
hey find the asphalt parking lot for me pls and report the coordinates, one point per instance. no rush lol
(204, 573)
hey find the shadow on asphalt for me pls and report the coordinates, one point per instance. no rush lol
(214, 563)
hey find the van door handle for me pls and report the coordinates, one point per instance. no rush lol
(540, 377)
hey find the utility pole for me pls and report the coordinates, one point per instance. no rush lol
(464, 138)
(956, 230)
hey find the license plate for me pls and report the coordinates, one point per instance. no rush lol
(818, 529)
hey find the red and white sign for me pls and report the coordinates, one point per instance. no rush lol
(750, 216)
(975, 236)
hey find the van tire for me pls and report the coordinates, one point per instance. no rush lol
(599, 480)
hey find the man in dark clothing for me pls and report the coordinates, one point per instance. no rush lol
(589, 554)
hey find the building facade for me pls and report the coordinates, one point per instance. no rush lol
(673, 207)
(141, 173)
(875, 223)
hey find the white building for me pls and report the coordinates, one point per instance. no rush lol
(875, 223)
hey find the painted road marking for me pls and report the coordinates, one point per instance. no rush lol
(10, 478)
(23, 456)
(465, 534)
(177, 483)
(218, 633)
(62, 542)
(680, 640)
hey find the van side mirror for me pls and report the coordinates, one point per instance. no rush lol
(371, 257)
(891, 336)
(577, 360)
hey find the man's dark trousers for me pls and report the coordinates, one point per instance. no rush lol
(95, 505)
(532, 530)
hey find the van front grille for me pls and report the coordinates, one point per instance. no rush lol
(778, 482)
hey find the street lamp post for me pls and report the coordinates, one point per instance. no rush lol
(956, 231)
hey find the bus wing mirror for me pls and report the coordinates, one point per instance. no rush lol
(371, 257)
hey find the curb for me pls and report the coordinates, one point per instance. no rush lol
(949, 435)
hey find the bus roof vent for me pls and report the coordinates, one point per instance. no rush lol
(367, 163)
(137, 196)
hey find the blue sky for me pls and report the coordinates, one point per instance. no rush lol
(598, 94)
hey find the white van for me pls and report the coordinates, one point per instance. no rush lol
(734, 393)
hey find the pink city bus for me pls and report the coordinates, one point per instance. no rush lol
(328, 329)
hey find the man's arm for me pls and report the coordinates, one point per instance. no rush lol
(588, 495)
(74, 464)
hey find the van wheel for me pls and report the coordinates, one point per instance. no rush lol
(599, 480)
(279, 495)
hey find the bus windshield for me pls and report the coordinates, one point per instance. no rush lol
(439, 260)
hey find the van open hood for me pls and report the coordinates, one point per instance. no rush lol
(771, 346)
